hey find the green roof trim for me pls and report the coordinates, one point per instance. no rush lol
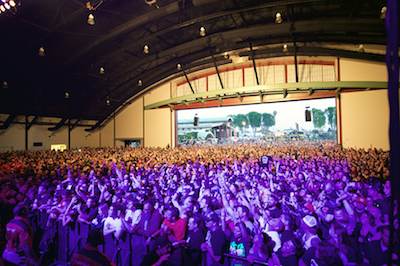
(269, 89)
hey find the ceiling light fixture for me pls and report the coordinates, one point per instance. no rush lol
(8, 5)
(4, 85)
(146, 49)
(140, 83)
(179, 66)
(102, 70)
(108, 102)
(285, 48)
(278, 18)
(41, 51)
(66, 95)
(202, 31)
(90, 20)
(383, 12)
(90, 7)
(361, 48)
(151, 2)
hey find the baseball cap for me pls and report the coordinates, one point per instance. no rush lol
(362, 200)
(309, 206)
(310, 221)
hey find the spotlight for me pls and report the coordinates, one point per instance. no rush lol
(179, 66)
(383, 12)
(102, 70)
(108, 102)
(285, 49)
(361, 48)
(7, 6)
(41, 51)
(146, 49)
(66, 95)
(90, 20)
(140, 83)
(2, 8)
(278, 18)
(12, 3)
(202, 31)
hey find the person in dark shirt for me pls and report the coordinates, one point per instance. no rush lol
(216, 243)
(90, 254)
(286, 255)
(87, 212)
(196, 236)
(160, 254)
(378, 250)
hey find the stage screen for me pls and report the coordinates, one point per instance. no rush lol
(292, 121)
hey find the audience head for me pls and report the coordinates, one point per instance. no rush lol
(95, 237)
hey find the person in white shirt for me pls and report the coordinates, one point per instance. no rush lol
(113, 224)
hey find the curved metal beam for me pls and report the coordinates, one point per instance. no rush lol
(270, 89)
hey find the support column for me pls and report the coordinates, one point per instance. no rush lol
(26, 132)
(69, 134)
(295, 61)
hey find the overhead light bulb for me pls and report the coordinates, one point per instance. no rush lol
(383, 12)
(226, 56)
(66, 95)
(108, 102)
(285, 48)
(102, 70)
(90, 20)
(2, 8)
(140, 83)
(12, 3)
(41, 51)
(146, 49)
(179, 66)
(202, 31)
(7, 6)
(4, 85)
(278, 18)
(361, 48)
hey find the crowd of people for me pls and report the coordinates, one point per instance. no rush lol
(236, 204)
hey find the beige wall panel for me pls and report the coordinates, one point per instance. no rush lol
(48, 138)
(158, 94)
(81, 138)
(158, 126)
(357, 70)
(129, 123)
(106, 135)
(213, 83)
(119, 143)
(250, 76)
(365, 119)
(12, 138)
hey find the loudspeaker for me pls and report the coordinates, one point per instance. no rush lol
(308, 115)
